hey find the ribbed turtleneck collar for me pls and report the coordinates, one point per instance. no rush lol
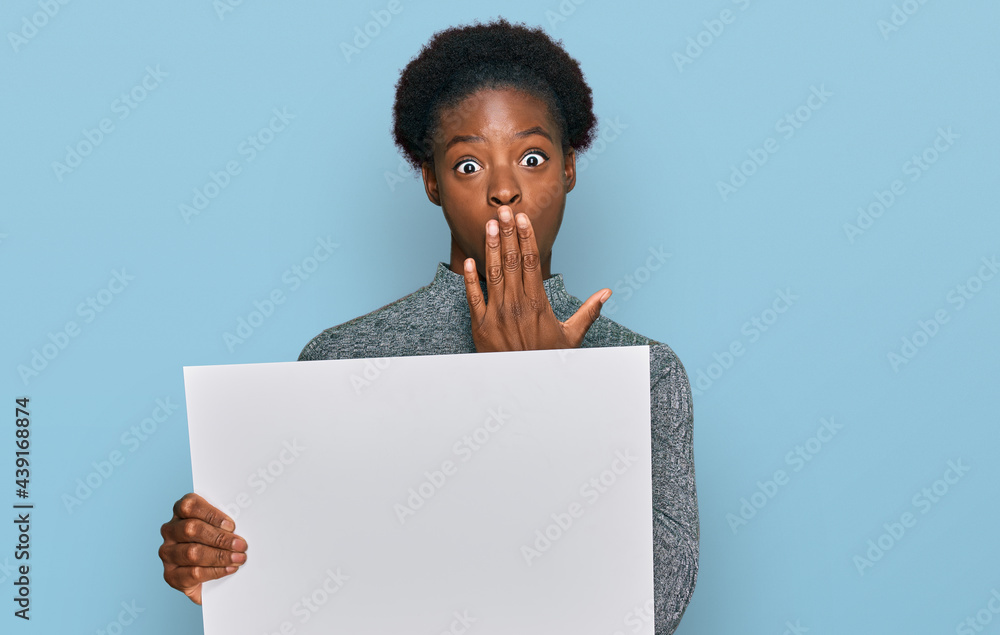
(454, 285)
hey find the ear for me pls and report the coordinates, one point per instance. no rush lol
(569, 170)
(430, 182)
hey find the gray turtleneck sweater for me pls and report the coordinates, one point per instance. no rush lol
(434, 320)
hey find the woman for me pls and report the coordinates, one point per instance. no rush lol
(493, 116)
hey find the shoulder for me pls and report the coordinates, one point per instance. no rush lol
(666, 372)
(663, 361)
(667, 375)
(371, 334)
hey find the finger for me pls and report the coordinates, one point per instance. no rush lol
(510, 252)
(531, 272)
(194, 594)
(494, 268)
(194, 506)
(579, 323)
(193, 554)
(477, 306)
(186, 578)
(193, 530)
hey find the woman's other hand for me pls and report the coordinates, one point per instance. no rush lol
(199, 545)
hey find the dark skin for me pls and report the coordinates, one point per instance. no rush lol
(500, 167)
(501, 178)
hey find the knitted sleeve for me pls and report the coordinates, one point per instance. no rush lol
(675, 501)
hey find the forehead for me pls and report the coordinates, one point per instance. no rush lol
(495, 112)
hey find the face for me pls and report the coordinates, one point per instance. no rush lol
(499, 147)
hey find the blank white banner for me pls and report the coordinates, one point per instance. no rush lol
(489, 493)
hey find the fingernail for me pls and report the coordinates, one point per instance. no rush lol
(505, 214)
(231, 569)
(228, 525)
(470, 266)
(604, 298)
(491, 228)
(238, 558)
(522, 221)
(239, 545)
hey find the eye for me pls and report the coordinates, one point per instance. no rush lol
(534, 159)
(468, 166)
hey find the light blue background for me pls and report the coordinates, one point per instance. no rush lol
(682, 129)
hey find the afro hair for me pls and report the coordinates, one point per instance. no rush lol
(459, 61)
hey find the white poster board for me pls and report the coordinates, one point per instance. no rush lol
(485, 492)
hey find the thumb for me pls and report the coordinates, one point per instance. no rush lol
(579, 323)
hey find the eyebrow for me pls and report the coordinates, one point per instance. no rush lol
(475, 139)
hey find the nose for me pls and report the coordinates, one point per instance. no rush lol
(504, 188)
